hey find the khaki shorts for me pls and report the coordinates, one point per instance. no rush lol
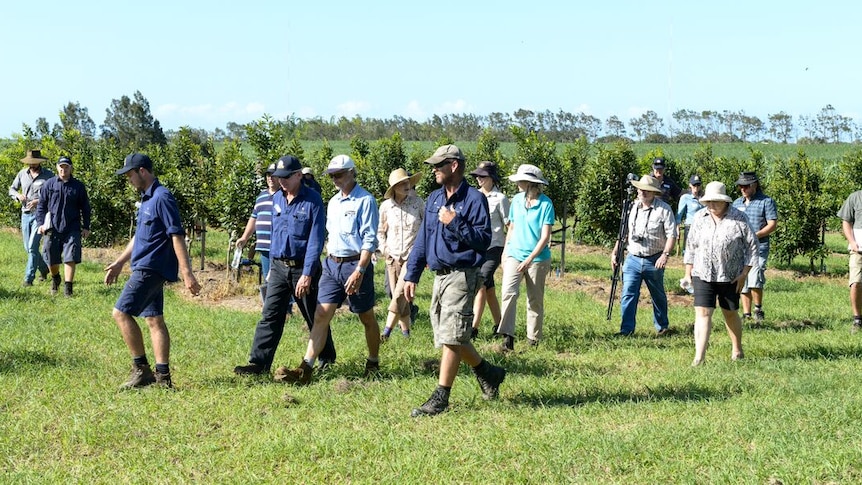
(855, 268)
(452, 306)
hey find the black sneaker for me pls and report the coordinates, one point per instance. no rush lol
(55, 284)
(856, 327)
(164, 380)
(490, 381)
(251, 369)
(508, 343)
(43, 277)
(758, 316)
(435, 405)
(372, 369)
(141, 376)
(67, 292)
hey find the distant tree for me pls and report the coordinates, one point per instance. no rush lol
(525, 119)
(647, 124)
(236, 131)
(75, 117)
(780, 126)
(615, 127)
(130, 123)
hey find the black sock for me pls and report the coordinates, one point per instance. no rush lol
(141, 360)
(482, 367)
(69, 287)
(163, 368)
(857, 319)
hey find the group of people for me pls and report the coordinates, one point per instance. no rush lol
(461, 233)
(725, 252)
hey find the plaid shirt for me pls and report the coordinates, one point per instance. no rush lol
(650, 228)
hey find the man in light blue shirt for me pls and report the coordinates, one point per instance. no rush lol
(351, 221)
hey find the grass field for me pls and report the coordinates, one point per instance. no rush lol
(582, 408)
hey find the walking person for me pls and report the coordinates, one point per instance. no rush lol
(157, 253)
(400, 219)
(488, 180)
(455, 235)
(25, 190)
(348, 274)
(64, 203)
(260, 224)
(851, 225)
(688, 206)
(651, 236)
(298, 224)
(762, 214)
(527, 254)
(720, 252)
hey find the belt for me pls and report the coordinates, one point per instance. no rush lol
(345, 259)
(445, 271)
(291, 263)
(649, 256)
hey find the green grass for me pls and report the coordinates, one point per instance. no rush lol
(582, 408)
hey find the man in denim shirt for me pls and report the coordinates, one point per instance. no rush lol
(762, 214)
(455, 234)
(351, 221)
(25, 189)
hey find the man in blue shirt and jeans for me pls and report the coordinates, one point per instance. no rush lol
(453, 240)
(298, 223)
(351, 221)
(157, 252)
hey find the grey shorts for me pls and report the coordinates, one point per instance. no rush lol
(62, 248)
(757, 275)
(452, 306)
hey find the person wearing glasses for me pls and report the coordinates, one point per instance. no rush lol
(652, 234)
(352, 220)
(762, 214)
(453, 240)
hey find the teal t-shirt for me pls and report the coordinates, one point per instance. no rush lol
(528, 227)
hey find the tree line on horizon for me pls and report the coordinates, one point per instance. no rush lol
(129, 120)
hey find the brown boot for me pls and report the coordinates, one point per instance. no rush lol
(141, 376)
(301, 375)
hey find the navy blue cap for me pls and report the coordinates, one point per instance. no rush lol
(287, 166)
(695, 180)
(136, 160)
(64, 160)
(658, 163)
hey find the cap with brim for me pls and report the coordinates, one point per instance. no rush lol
(64, 161)
(747, 178)
(648, 183)
(715, 192)
(340, 163)
(694, 180)
(34, 157)
(307, 171)
(135, 160)
(399, 175)
(659, 163)
(529, 173)
(287, 166)
(486, 169)
(270, 169)
(445, 152)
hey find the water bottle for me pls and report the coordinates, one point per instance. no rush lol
(686, 285)
(237, 258)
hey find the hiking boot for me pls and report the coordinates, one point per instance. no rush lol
(665, 332)
(26, 284)
(301, 375)
(436, 404)
(164, 380)
(508, 344)
(67, 292)
(384, 337)
(43, 277)
(55, 284)
(490, 381)
(251, 369)
(141, 376)
(372, 369)
(758, 316)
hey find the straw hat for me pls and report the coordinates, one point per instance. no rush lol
(648, 183)
(34, 157)
(715, 191)
(399, 175)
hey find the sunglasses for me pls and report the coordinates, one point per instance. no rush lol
(744, 186)
(337, 175)
(442, 164)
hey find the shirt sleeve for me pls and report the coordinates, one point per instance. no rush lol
(770, 210)
(504, 208)
(368, 224)
(170, 213)
(86, 210)
(15, 187)
(315, 239)
(382, 227)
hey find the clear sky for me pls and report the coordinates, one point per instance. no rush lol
(206, 63)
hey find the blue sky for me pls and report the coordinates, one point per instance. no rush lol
(204, 64)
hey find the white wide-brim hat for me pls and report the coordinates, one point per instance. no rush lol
(715, 191)
(529, 173)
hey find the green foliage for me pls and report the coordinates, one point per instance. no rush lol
(384, 156)
(797, 188)
(130, 124)
(602, 192)
(267, 139)
(237, 189)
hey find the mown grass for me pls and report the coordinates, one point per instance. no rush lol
(582, 408)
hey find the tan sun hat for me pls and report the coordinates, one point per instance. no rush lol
(648, 183)
(399, 175)
(34, 157)
(715, 191)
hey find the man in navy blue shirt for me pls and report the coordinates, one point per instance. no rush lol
(298, 223)
(157, 252)
(63, 201)
(454, 237)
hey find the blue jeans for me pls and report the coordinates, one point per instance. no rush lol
(264, 264)
(32, 238)
(636, 270)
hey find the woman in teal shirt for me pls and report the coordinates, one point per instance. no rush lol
(527, 254)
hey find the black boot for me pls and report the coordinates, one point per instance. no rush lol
(436, 404)
(55, 283)
(490, 377)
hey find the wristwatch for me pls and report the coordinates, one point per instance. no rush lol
(361, 269)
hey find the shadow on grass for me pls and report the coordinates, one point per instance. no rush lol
(680, 393)
(17, 361)
(819, 352)
(785, 326)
